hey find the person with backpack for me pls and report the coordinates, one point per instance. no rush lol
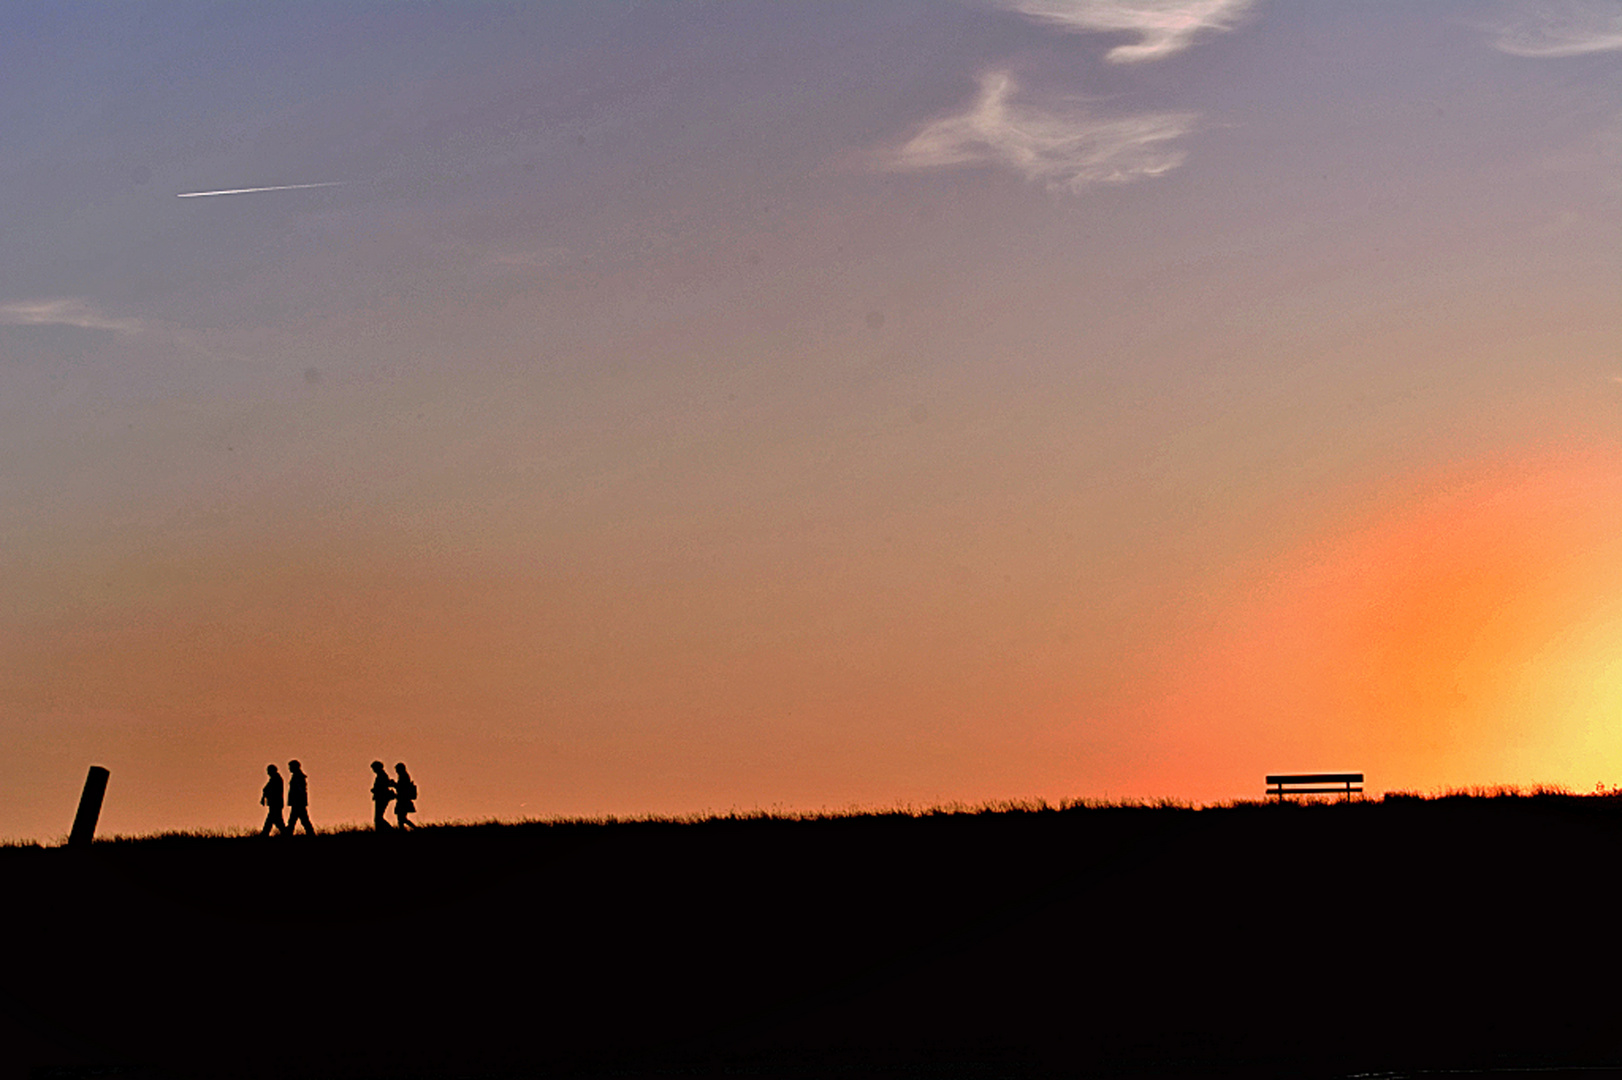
(382, 794)
(405, 796)
(298, 800)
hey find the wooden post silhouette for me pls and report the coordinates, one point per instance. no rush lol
(84, 822)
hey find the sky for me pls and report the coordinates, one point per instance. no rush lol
(689, 407)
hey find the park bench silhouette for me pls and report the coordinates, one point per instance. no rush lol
(1312, 784)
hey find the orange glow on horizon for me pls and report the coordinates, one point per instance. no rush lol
(1461, 632)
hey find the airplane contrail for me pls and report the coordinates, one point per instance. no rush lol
(251, 190)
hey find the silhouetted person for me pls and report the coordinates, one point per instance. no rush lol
(405, 796)
(298, 800)
(271, 799)
(382, 793)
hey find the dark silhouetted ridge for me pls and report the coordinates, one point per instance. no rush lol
(1291, 940)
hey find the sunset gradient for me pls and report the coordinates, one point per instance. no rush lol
(1466, 624)
(671, 408)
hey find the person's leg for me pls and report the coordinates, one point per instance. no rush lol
(379, 822)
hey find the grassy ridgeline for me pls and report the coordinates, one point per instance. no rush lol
(1303, 940)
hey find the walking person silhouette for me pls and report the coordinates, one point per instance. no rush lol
(382, 794)
(298, 800)
(271, 799)
(405, 796)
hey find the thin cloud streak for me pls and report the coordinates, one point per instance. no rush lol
(1065, 149)
(1573, 28)
(65, 311)
(252, 190)
(1164, 27)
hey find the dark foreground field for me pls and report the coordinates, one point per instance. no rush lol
(1254, 940)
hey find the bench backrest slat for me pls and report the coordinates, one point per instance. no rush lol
(1318, 778)
(1355, 789)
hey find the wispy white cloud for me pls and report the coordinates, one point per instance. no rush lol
(1164, 27)
(1557, 28)
(1065, 147)
(65, 311)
